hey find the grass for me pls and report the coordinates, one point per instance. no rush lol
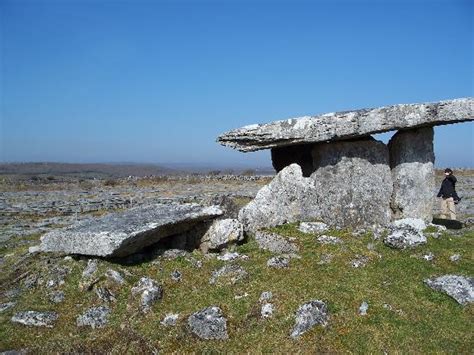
(404, 315)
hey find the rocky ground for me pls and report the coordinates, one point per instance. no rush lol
(294, 287)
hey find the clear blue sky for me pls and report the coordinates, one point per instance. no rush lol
(158, 81)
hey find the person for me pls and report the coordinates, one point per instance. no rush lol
(449, 197)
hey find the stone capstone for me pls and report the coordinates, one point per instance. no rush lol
(461, 288)
(95, 317)
(208, 323)
(36, 319)
(221, 234)
(308, 315)
(346, 125)
(122, 234)
(412, 165)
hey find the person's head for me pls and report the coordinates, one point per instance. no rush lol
(448, 172)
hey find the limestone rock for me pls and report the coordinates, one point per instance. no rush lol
(412, 164)
(6, 305)
(170, 320)
(122, 234)
(222, 233)
(150, 292)
(95, 317)
(115, 276)
(228, 274)
(349, 124)
(267, 310)
(363, 308)
(313, 227)
(308, 315)
(460, 288)
(414, 223)
(404, 238)
(34, 318)
(328, 239)
(275, 243)
(265, 296)
(279, 262)
(208, 323)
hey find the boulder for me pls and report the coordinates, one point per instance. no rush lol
(346, 125)
(412, 165)
(36, 319)
(95, 317)
(461, 288)
(208, 323)
(122, 234)
(308, 315)
(221, 234)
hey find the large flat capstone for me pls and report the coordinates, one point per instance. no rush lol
(122, 234)
(346, 125)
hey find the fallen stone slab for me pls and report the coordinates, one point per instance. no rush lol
(95, 317)
(122, 234)
(461, 288)
(308, 315)
(209, 323)
(36, 319)
(348, 124)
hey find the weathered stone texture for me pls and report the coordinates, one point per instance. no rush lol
(349, 124)
(461, 288)
(122, 234)
(412, 164)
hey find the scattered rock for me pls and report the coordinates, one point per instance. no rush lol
(172, 254)
(267, 310)
(325, 259)
(460, 288)
(228, 256)
(170, 320)
(428, 257)
(413, 223)
(105, 295)
(313, 227)
(124, 233)
(327, 239)
(275, 243)
(455, 258)
(308, 315)
(150, 292)
(34, 318)
(404, 238)
(34, 249)
(265, 296)
(279, 262)
(230, 273)
(363, 308)
(208, 324)
(115, 276)
(95, 317)
(90, 269)
(6, 305)
(359, 261)
(176, 276)
(221, 234)
(56, 296)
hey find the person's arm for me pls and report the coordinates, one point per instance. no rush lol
(440, 191)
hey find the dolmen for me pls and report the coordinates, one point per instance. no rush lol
(121, 234)
(331, 169)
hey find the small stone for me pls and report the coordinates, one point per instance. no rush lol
(150, 292)
(404, 238)
(105, 294)
(238, 297)
(325, 259)
(279, 262)
(174, 254)
(363, 308)
(460, 288)
(413, 223)
(312, 227)
(327, 239)
(90, 269)
(359, 261)
(275, 243)
(96, 317)
(455, 258)
(56, 296)
(231, 256)
(429, 256)
(37, 319)
(6, 305)
(34, 249)
(265, 296)
(228, 274)
(267, 310)
(170, 320)
(308, 315)
(115, 276)
(208, 323)
(176, 276)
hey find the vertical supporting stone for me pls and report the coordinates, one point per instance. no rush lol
(412, 164)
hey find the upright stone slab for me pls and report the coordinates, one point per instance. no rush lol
(412, 164)
(352, 184)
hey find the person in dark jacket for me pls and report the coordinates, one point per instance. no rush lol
(448, 195)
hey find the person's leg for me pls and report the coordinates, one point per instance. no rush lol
(451, 208)
(444, 208)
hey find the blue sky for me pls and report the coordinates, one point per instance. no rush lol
(158, 81)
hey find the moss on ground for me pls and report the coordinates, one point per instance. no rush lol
(404, 315)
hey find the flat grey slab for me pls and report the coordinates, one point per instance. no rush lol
(348, 124)
(122, 234)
